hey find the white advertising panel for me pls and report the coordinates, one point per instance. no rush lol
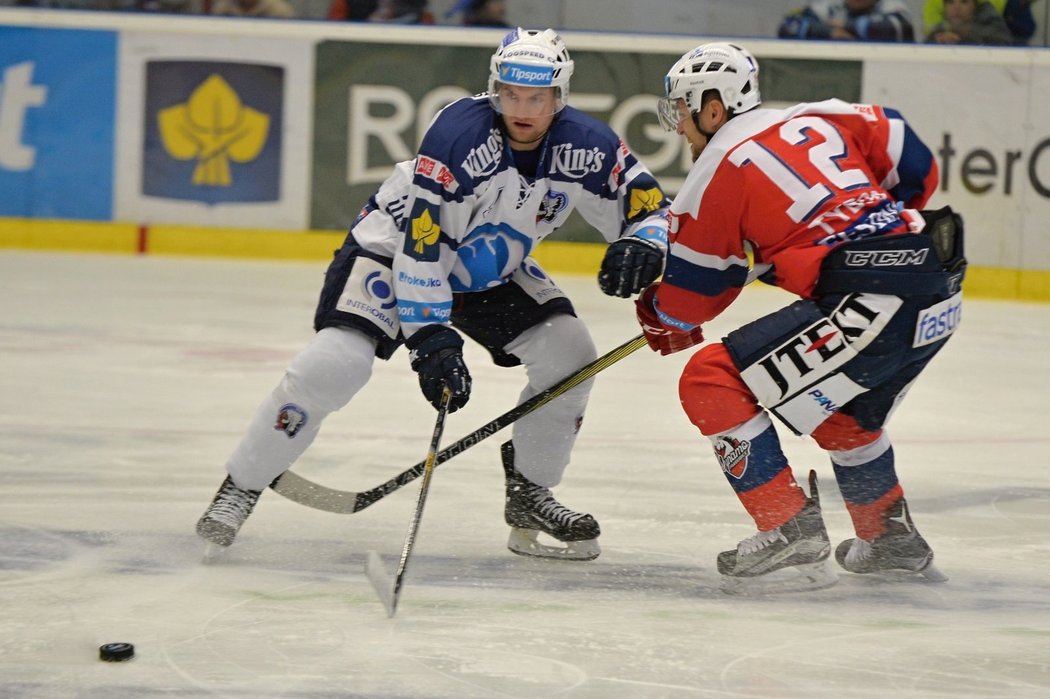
(988, 122)
(214, 130)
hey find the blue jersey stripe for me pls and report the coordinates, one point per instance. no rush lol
(703, 280)
(416, 312)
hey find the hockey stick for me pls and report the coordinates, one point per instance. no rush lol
(305, 492)
(389, 593)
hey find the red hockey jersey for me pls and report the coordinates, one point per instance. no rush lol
(788, 186)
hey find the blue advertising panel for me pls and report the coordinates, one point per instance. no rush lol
(213, 131)
(57, 96)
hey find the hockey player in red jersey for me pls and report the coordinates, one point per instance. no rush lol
(823, 200)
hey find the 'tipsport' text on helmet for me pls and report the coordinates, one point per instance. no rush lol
(531, 58)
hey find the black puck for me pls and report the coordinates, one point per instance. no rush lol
(116, 652)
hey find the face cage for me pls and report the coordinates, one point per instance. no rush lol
(667, 112)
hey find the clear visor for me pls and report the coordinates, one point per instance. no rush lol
(667, 111)
(526, 102)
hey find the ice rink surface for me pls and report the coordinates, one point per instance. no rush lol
(126, 382)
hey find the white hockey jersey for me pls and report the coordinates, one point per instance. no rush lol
(461, 218)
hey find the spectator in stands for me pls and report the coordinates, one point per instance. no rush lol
(169, 6)
(481, 13)
(1016, 13)
(1020, 20)
(850, 20)
(254, 8)
(970, 22)
(50, 3)
(352, 10)
(173, 7)
(402, 12)
(396, 11)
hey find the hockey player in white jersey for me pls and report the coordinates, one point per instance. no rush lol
(442, 250)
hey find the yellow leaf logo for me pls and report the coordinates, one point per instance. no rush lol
(644, 201)
(424, 231)
(213, 127)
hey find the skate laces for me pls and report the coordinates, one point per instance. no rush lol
(548, 507)
(233, 505)
(759, 541)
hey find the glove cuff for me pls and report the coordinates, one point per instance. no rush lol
(430, 339)
(644, 241)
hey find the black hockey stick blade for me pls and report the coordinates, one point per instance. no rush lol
(305, 492)
(389, 593)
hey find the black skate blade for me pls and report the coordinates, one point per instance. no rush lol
(801, 578)
(382, 583)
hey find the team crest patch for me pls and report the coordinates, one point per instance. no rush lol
(535, 271)
(732, 455)
(423, 232)
(552, 205)
(644, 201)
(379, 290)
(290, 419)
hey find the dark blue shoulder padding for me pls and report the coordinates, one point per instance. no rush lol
(581, 148)
(465, 137)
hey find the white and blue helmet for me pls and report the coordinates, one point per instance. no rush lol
(728, 69)
(531, 58)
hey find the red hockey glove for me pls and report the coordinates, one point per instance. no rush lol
(661, 339)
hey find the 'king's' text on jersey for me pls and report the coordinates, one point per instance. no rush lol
(461, 217)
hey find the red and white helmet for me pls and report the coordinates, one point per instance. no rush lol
(531, 58)
(726, 68)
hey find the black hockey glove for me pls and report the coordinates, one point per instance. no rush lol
(630, 265)
(436, 353)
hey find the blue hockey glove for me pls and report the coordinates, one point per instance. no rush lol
(630, 265)
(436, 353)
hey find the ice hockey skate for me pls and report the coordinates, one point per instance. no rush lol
(901, 549)
(223, 519)
(791, 558)
(531, 510)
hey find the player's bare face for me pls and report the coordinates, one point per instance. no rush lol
(687, 127)
(527, 114)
